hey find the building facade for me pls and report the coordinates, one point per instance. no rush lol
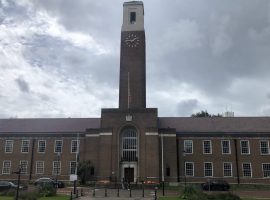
(131, 142)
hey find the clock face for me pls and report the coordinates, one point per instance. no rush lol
(132, 40)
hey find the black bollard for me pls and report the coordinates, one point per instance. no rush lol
(142, 190)
(106, 191)
(77, 194)
(129, 191)
(81, 192)
(71, 195)
(155, 193)
(163, 189)
(118, 191)
(94, 192)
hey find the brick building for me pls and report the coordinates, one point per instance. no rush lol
(131, 141)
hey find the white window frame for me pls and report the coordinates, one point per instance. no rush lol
(266, 177)
(192, 169)
(267, 147)
(231, 172)
(54, 169)
(28, 146)
(70, 167)
(38, 167)
(185, 147)
(9, 169)
(71, 146)
(250, 170)
(44, 146)
(244, 147)
(25, 169)
(212, 169)
(55, 146)
(204, 146)
(222, 147)
(11, 146)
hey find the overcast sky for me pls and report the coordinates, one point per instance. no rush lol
(60, 58)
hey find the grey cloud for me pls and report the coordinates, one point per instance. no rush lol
(187, 107)
(23, 85)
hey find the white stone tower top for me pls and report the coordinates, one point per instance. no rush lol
(133, 16)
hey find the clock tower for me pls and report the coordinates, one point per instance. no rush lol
(132, 90)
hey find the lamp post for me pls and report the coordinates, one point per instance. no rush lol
(57, 169)
(19, 179)
(184, 158)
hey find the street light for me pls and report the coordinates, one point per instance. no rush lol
(57, 169)
(184, 158)
(19, 179)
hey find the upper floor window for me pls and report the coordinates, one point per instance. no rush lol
(226, 147)
(132, 17)
(40, 167)
(9, 146)
(208, 169)
(129, 144)
(207, 147)
(25, 146)
(245, 147)
(23, 164)
(6, 167)
(266, 170)
(188, 146)
(247, 169)
(74, 146)
(58, 146)
(41, 146)
(264, 146)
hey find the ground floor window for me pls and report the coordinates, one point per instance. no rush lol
(73, 165)
(208, 169)
(56, 167)
(247, 170)
(227, 169)
(23, 164)
(6, 167)
(266, 170)
(40, 167)
(189, 169)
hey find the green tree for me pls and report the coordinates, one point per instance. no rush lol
(205, 114)
(85, 169)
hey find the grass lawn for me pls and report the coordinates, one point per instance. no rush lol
(177, 198)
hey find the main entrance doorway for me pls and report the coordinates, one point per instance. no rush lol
(129, 174)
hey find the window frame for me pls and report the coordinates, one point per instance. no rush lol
(265, 147)
(39, 146)
(54, 168)
(70, 164)
(186, 147)
(212, 171)
(188, 175)
(24, 171)
(244, 170)
(263, 172)
(210, 142)
(222, 147)
(132, 17)
(22, 146)
(77, 147)
(37, 167)
(55, 147)
(231, 171)
(12, 144)
(241, 147)
(4, 161)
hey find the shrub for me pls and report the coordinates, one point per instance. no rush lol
(192, 193)
(47, 190)
(224, 196)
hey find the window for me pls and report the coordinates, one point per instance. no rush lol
(264, 146)
(207, 147)
(227, 169)
(58, 146)
(41, 146)
(9, 146)
(226, 147)
(247, 170)
(40, 167)
(245, 147)
(132, 17)
(92, 171)
(208, 169)
(188, 146)
(56, 167)
(74, 146)
(129, 144)
(189, 168)
(266, 170)
(6, 167)
(168, 171)
(25, 146)
(73, 165)
(23, 164)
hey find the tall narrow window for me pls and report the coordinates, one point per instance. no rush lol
(73, 165)
(264, 146)
(245, 147)
(74, 146)
(23, 164)
(9, 146)
(41, 146)
(226, 148)
(56, 167)
(189, 168)
(6, 167)
(132, 17)
(58, 146)
(207, 147)
(208, 169)
(25, 146)
(129, 144)
(266, 170)
(227, 169)
(247, 170)
(40, 167)
(188, 146)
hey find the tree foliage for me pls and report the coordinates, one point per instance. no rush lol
(84, 170)
(205, 114)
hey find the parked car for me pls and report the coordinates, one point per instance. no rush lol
(216, 185)
(6, 185)
(45, 181)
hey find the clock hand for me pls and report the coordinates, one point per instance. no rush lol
(131, 40)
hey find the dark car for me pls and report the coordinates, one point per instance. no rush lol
(6, 185)
(46, 181)
(216, 185)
